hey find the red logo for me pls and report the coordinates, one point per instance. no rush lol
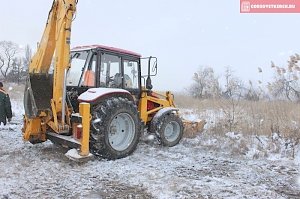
(270, 6)
(245, 6)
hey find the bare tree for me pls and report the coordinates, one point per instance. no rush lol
(286, 82)
(230, 101)
(27, 57)
(8, 51)
(233, 85)
(206, 84)
(17, 71)
(2, 62)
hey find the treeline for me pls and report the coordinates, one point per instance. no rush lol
(14, 61)
(285, 84)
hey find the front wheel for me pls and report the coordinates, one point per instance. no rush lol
(169, 130)
(115, 128)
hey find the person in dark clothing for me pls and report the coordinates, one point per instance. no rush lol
(5, 106)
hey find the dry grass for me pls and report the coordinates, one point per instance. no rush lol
(185, 101)
(250, 117)
(265, 118)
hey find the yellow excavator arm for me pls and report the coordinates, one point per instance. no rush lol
(56, 38)
(44, 97)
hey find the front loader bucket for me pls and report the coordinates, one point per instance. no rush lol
(192, 128)
(37, 94)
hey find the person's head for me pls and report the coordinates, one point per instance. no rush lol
(1, 84)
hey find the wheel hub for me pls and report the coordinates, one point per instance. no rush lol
(121, 131)
(172, 131)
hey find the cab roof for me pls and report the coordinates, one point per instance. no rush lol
(106, 48)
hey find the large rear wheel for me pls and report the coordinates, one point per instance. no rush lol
(115, 128)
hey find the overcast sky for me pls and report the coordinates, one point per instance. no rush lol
(184, 35)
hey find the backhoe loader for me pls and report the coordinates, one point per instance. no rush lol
(96, 100)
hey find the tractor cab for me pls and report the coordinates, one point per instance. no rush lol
(100, 66)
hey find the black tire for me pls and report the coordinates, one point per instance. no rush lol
(105, 116)
(165, 124)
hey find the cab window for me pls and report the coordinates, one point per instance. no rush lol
(110, 71)
(89, 74)
(130, 74)
(78, 62)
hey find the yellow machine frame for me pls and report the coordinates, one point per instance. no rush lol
(167, 100)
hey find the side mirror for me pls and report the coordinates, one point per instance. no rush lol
(153, 63)
(151, 70)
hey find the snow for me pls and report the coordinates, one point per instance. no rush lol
(74, 154)
(94, 93)
(161, 112)
(164, 111)
(233, 135)
(297, 156)
(210, 116)
(188, 114)
(232, 166)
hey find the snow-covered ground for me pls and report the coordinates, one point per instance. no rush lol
(205, 167)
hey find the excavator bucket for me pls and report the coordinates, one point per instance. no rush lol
(37, 94)
(192, 129)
